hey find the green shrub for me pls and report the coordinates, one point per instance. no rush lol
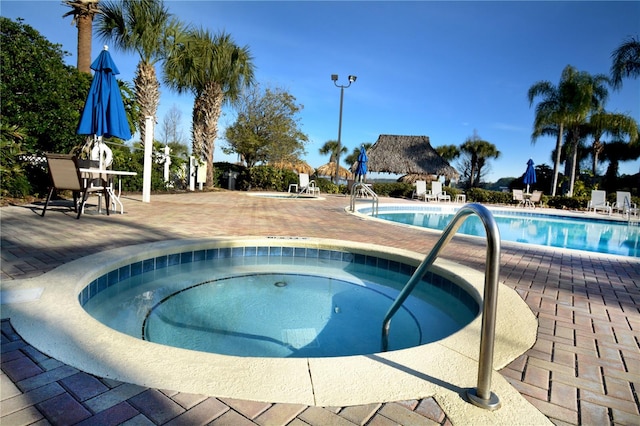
(479, 195)
(328, 187)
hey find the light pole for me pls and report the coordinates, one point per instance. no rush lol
(334, 78)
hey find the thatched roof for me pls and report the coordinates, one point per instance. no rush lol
(407, 155)
(412, 178)
(329, 169)
(298, 166)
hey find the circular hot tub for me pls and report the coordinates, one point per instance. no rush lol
(58, 324)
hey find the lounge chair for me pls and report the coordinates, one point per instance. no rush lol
(421, 190)
(438, 193)
(518, 195)
(623, 203)
(536, 197)
(65, 175)
(307, 186)
(599, 202)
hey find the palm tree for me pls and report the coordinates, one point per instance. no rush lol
(448, 152)
(588, 96)
(331, 147)
(616, 152)
(479, 151)
(566, 107)
(626, 61)
(83, 12)
(215, 70)
(147, 28)
(616, 125)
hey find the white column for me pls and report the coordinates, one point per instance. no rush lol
(167, 163)
(192, 173)
(148, 149)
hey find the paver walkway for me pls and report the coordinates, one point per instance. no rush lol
(583, 369)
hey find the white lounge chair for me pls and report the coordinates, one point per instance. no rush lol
(438, 193)
(599, 202)
(307, 186)
(623, 203)
(421, 190)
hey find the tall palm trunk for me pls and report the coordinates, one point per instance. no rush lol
(147, 90)
(575, 141)
(85, 33)
(556, 163)
(207, 110)
(596, 150)
(83, 12)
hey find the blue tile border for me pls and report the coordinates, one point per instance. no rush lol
(160, 263)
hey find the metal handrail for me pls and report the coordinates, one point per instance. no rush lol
(359, 188)
(482, 395)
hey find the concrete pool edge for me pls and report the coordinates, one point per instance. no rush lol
(57, 325)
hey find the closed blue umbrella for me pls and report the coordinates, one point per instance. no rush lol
(103, 113)
(361, 170)
(530, 174)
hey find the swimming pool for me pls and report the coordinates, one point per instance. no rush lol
(576, 232)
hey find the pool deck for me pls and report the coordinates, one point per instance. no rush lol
(583, 369)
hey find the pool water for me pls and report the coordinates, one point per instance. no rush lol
(594, 235)
(277, 307)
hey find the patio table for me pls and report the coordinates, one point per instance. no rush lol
(110, 174)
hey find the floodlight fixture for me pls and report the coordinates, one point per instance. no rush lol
(334, 78)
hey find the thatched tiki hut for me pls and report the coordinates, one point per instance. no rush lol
(329, 170)
(408, 155)
(297, 166)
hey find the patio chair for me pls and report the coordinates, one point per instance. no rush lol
(518, 195)
(623, 203)
(438, 193)
(306, 186)
(420, 191)
(65, 175)
(599, 202)
(536, 197)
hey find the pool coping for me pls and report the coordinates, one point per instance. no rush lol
(55, 323)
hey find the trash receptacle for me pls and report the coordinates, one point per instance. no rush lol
(232, 180)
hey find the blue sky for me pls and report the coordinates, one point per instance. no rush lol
(441, 69)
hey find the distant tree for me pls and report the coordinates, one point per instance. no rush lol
(475, 154)
(626, 61)
(170, 130)
(266, 129)
(352, 158)
(617, 152)
(83, 12)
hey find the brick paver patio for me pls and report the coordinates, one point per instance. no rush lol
(583, 369)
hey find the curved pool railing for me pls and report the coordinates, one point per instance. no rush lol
(482, 395)
(362, 189)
